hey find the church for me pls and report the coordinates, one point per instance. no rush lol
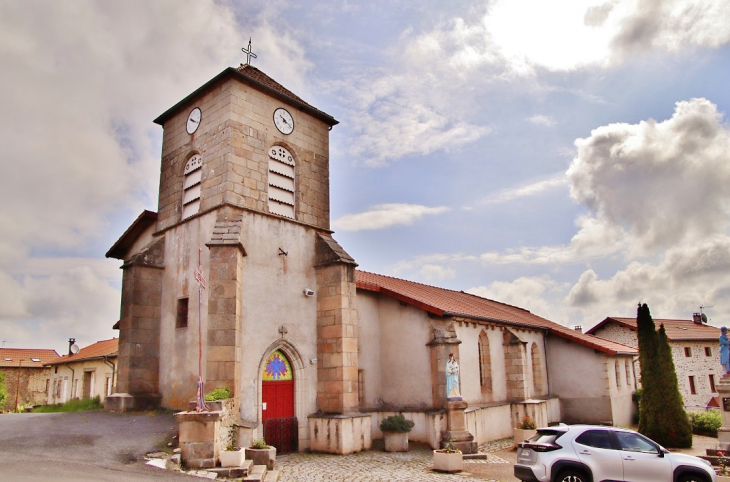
(237, 277)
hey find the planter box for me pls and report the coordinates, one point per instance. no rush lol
(265, 457)
(232, 458)
(446, 462)
(522, 435)
(395, 441)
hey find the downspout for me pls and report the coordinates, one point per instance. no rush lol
(547, 370)
(114, 373)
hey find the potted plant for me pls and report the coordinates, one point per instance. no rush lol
(262, 454)
(448, 459)
(524, 430)
(232, 456)
(395, 433)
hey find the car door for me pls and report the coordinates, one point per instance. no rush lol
(595, 448)
(642, 459)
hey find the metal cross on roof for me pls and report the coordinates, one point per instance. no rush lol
(249, 53)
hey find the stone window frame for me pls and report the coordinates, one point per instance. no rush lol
(692, 385)
(711, 377)
(618, 374)
(485, 362)
(191, 186)
(627, 365)
(688, 352)
(282, 163)
(708, 351)
(183, 311)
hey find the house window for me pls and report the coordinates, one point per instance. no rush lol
(712, 383)
(692, 389)
(281, 182)
(708, 351)
(687, 351)
(485, 362)
(182, 313)
(191, 186)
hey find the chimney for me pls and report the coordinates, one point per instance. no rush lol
(71, 342)
(578, 328)
(697, 318)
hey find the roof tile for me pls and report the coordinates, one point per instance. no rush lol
(443, 302)
(677, 330)
(10, 357)
(97, 350)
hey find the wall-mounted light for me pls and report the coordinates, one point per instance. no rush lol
(308, 292)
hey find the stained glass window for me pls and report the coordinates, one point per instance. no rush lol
(277, 368)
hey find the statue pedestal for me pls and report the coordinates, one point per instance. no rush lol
(457, 433)
(723, 433)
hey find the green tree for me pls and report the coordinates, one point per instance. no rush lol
(3, 391)
(661, 412)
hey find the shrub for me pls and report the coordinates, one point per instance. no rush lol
(74, 405)
(220, 393)
(396, 423)
(527, 424)
(259, 444)
(3, 391)
(706, 423)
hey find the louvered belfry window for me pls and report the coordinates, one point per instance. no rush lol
(281, 182)
(191, 186)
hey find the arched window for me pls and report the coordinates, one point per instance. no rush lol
(281, 182)
(485, 362)
(536, 370)
(191, 186)
(627, 365)
(618, 375)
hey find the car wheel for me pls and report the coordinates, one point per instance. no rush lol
(692, 478)
(571, 476)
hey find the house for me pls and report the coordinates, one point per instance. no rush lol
(695, 351)
(237, 279)
(89, 373)
(26, 377)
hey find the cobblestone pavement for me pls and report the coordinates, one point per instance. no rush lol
(376, 465)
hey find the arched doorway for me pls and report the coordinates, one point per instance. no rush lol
(277, 410)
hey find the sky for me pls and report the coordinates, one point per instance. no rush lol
(571, 158)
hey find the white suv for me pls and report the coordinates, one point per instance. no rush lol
(588, 453)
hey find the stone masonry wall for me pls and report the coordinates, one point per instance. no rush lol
(32, 386)
(234, 137)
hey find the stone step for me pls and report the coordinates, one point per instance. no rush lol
(474, 456)
(272, 476)
(257, 473)
(233, 472)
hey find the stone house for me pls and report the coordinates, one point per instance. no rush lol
(26, 377)
(238, 279)
(88, 373)
(695, 351)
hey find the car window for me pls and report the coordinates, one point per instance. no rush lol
(595, 438)
(546, 436)
(634, 442)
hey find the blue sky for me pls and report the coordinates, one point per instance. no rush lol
(570, 159)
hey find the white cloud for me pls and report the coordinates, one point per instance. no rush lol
(529, 190)
(542, 120)
(534, 293)
(385, 216)
(662, 182)
(434, 272)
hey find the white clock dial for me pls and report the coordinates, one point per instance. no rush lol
(283, 121)
(194, 120)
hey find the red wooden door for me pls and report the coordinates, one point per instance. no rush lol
(278, 398)
(277, 411)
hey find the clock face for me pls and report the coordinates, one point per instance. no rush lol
(283, 121)
(193, 120)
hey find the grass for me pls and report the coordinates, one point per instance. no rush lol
(75, 405)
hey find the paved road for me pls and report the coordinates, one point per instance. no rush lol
(84, 446)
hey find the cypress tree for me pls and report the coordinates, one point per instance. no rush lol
(661, 411)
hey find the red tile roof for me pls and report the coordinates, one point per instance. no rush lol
(443, 302)
(100, 349)
(677, 330)
(10, 357)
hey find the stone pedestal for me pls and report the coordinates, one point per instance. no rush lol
(340, 434)
(199, 444)
(457, 432)
(723, 433)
